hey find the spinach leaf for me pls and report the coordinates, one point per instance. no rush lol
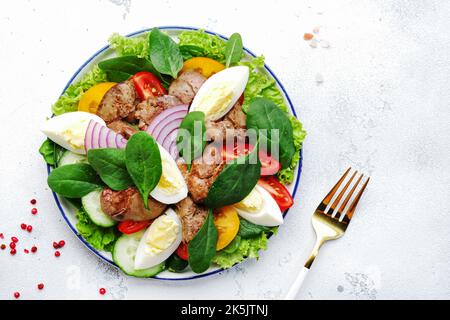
(202, 248)
(190, 138)
(235, 182)
(51, 152)
(47, 150)
(250, 230)
(234, 49)
(143, 162)
(191, 51)
(264, 116)
(111, 167)
(164, 53)
(122, 68)
(74, 180)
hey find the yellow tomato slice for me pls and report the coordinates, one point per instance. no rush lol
(205, 66)
(91, 99)
(226, 220)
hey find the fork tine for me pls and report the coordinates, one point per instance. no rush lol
(351, 210)
(349, 195)
(330, 195)
(338, 199)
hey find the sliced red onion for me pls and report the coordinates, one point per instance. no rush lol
(95, 135)
(174, 151)
(156, 133)
(88, 136)
(168, 140)
(102, 141)
(99, 136)
(164, 128)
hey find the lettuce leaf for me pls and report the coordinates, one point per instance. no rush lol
(198, 43)
(98, 237)
(68, 102)
(261, 85)
(136, 46)
(248, 248)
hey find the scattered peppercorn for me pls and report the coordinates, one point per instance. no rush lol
(13, 252)
(33, 249)
(34, 211)
(14, 239)
(57, 254)
(16, 295)
(29, 228)
(62, 243)
(40, 286)
(12, 245)
(33, 201)
(102, 291)
(3, 246)
(23, 226)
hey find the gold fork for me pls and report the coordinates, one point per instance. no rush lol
(330, 224)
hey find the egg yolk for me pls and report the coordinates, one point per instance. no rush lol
(252, 203)
(216, 100)
(75, 133)
(163, 233)
(169, 182)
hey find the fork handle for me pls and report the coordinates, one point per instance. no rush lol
(295, 288)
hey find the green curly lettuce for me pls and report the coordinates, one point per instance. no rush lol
(68, 101)
(136, 46)
(261, 85)
(198, 43)
(98, 237)
(248, 248)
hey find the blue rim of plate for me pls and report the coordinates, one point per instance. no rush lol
(58, 203)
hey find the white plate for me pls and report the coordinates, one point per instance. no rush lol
(68, 211)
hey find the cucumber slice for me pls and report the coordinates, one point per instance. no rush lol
(92, 206)
(69, 157)
(124, 253)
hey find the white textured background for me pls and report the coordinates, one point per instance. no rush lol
(383, 107)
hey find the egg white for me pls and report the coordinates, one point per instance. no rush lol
(236, 78)
(54, 128)
(270, 214)
(158, 193)
(145, 259)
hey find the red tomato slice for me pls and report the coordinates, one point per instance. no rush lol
(130, 227)
(148, 85)
(269, 166)
(182, 251)
(279, 192)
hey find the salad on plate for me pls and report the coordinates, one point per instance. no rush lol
(176, 153)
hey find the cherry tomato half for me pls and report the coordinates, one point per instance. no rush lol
(148, 85)
(130, 227)
(182, 251)
(279, 192)
(269, 166)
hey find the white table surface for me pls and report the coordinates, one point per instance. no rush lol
(383, 108)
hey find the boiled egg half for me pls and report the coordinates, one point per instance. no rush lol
(260, 208)
(69, 129)
(171, 187)
(159, 241)
(221, 92)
